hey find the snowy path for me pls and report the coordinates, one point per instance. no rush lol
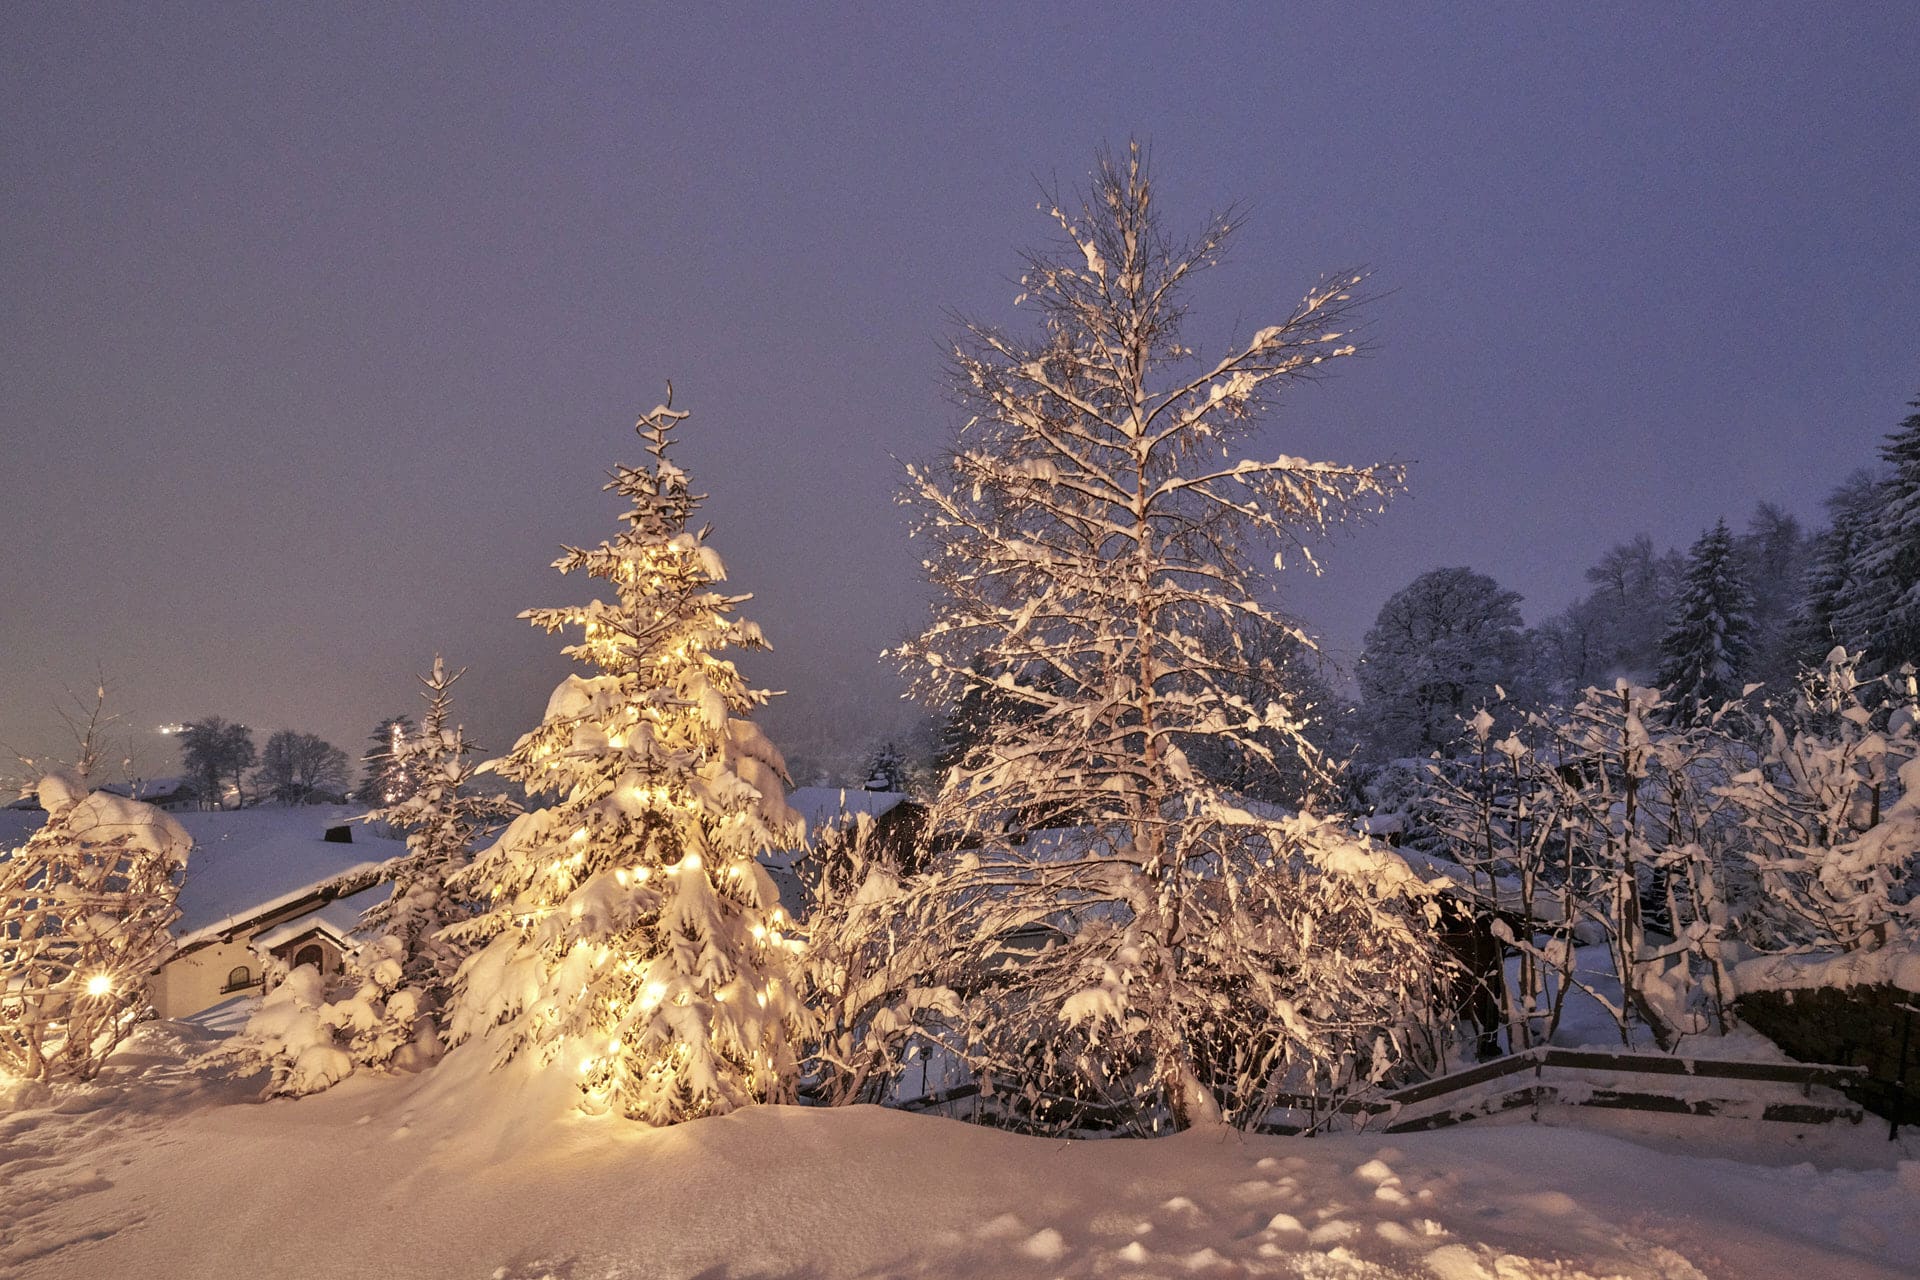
(449, 1175)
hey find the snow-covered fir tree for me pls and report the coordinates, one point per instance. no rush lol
(1091, 536)
(442, 817)
(1704, 654)
(1881, 614)
(85, 908)
(629, 933)
(384, 778)
(1827, 584)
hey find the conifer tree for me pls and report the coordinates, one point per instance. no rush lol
(1704, 654)
(629, 933)
(383, 778)
(1828, 585)
(1881, 613)
(442, 818)
(1091, 545)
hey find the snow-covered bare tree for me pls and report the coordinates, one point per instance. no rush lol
(1092, 534)
(1829, 816)
(1705, 652)
(301, 768)
(85, 907)
(629, 933)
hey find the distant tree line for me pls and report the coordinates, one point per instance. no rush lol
(223, 768)
(1754, 607)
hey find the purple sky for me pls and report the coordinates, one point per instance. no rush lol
(320, 324)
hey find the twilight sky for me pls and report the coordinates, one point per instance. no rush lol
(320, 324)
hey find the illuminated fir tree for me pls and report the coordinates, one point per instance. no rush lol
(629, 933)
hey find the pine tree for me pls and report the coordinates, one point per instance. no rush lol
(1828, 584)
(442, 818)
(1881, 614)
(383, 778)
(629, 932)
(1704, 654)
(1091, 532)
(85, 908)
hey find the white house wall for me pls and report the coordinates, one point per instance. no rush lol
(187, 984)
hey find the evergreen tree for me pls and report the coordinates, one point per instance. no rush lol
(630, 935)
(1881, 614)
(1773, 557)
(85, 908)
(1091, 535)
(1828, 584)
(1704, 654)
(384, 779)
(442, 818)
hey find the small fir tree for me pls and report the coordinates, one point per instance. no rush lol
(629, 933)
(442, 818)
(1704, 654)
(85, 908)
(384, 778)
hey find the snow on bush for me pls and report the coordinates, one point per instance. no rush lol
(85, 907)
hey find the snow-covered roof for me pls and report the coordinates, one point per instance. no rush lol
(339, 918)
(249, 862)
(822, 806)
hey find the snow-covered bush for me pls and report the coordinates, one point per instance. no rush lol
(85, 907)
(1603, 821)
(311, 1032)
(1831, 816)
(628, 932)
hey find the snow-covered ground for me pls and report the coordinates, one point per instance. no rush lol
(164, 1171)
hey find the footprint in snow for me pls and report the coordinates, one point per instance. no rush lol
(1045, 1244)
(1007, 1224)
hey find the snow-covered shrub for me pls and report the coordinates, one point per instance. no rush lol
(628, 933)
(1831, 819)
(85, 907)
(1603, 821)
(311, 1032)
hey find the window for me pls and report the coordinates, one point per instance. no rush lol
(311, 954)
(239, 977)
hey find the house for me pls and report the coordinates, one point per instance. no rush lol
(894, 826)
(263, 886)
(170, 794)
